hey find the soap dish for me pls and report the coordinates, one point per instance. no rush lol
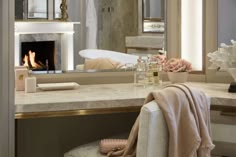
(58, 86)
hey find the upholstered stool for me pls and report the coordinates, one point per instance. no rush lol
(152, 136)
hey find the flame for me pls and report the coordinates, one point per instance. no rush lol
(30, 60)
(26, 62)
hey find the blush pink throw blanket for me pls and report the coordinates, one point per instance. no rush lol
(101, 64)
(187, 114)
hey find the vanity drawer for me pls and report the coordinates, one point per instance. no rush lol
(223, 126)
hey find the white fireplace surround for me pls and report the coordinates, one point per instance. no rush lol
(66, 29)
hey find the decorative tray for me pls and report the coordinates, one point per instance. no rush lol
(58, 86)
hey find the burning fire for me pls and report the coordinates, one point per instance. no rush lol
(29, 61)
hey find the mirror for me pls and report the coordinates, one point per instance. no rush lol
(153, 16)
(97, 24)
(37, 9)
(226, 21)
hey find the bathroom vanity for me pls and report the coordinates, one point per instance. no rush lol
(106, 98)
(49, 123)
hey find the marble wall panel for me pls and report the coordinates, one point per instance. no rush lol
(117, 19)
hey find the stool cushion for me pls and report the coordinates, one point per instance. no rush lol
(87, 150)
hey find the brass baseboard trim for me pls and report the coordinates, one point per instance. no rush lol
(46, 114)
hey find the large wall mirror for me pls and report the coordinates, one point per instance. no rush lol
(91, 24)
(226, 21)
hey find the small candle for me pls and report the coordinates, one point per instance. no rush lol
(20, 75)
(30, 84)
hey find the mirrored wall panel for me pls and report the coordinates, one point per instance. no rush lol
(57, 9)
(226, 21)
(104, 25)
(154, 16)
(37, 9)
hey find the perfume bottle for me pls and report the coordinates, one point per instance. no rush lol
(156, 80)
(151, 68)
(154, 71)
(140, 78)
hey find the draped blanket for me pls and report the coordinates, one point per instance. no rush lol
(102, 64)
(187, 114)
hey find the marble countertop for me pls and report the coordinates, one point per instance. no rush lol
(107, 96)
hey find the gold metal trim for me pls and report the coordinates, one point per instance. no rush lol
(225, 110)
(142, 48)
(153, 19)
(204, 53)
(64, 14)
(82, 112)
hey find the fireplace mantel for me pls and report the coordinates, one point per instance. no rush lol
(66, 29)
(35, 27)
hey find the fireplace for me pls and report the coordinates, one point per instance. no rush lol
(60, 32)
(38, 55)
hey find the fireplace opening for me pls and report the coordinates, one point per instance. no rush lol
(38, 55)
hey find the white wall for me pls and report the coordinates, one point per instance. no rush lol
(226, 21)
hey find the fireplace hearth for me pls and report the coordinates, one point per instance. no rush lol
(38, 55)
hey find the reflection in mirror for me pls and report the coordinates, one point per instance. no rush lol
(37, 9)
(91, 24)
(57, 10)
(31, 9)
(153, 9)
(153, 16)
(19, 9)
(226, 21)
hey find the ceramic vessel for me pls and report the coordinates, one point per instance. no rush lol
(177, 77)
